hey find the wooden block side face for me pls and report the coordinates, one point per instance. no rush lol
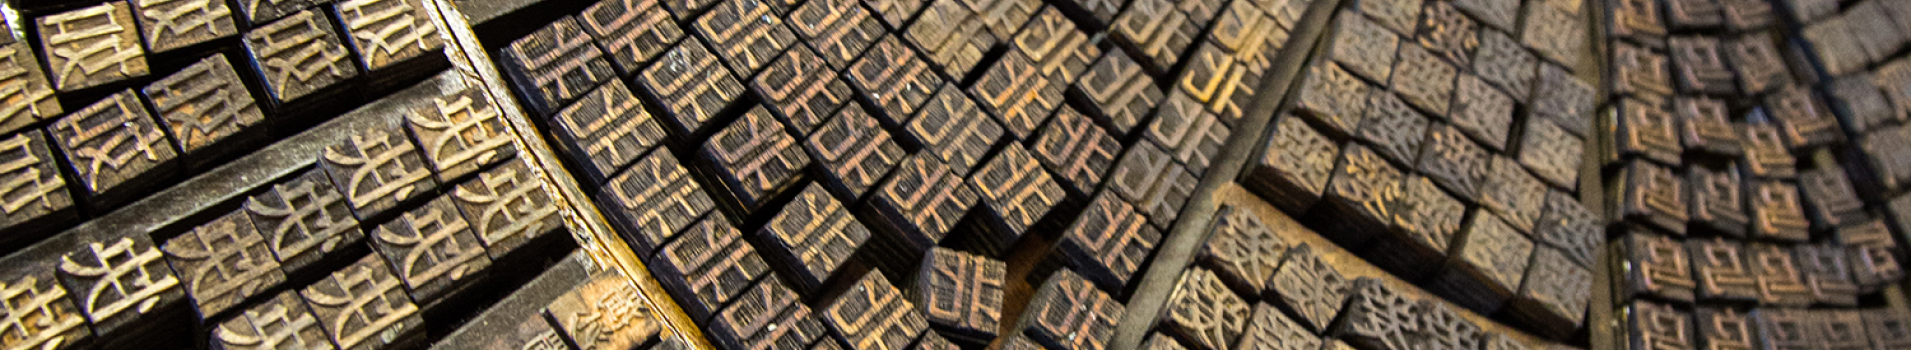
(112, 142)
(1016, 188)
(1448, 33)
(1018, 94)
(1454, 161)
(1757, 63)
(30, 183)
(1364, 181)
(855, 150)
(1505, 63)
(713, 262)
(1561, 286)
(1514, 194)
(818, 232)
(362, 305)
(281, 322)
(606, 313)
(746, 33)
(839, 30)
(1077, 150)
(1482, 112)
(299, 55)
(461, 132)
(507, 206)
(1148, 178)
(1429, 216)
(1421, 78)
(1699, 66)
(24, 88)
(1394, 129)
(1333, 97)
(92, 46)
(1204, 310)
(1551, 153)
(691, 84)
(172, 24)
(1722, 271)
(801, 89)
(930, 197)
(1058, 48)
(961, 291)
(1565, 99)
(1157, 29)
(632, 32)
(1070, 313)
(873, 315)
(1311, 287)
(1191, 133)
(1664, 266)
(224, 262)
(1116, 238)
(204, 103)
(1120, 94)
(431, 248)
(1776, 212)
(377, 168)
(388, 32)
(609, 127)
(1496, 251)
(657, 197)
(757, 157)
(894, 77)
(1301, 155)
(953, 36)
(1364, 48)
(770, 316)
(556, 64)
(303, 219)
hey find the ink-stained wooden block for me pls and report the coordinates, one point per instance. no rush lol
(1361, 194)
(386, 33)
(1861, 102)
(1551, 153)
(1803, 117)
(1217, 81)
(1555, 293)
(770, 316)
(173, 24)
(1017, 191)
(223, 262)
(800, 89)
(282, 321)
(1295, 167)
(1376, 316)
(854, 151)
(1724, 328)
(1118, 93)
(1059, 49)
(32, 193)
(1830, 42)
(1776, 212)
(746, 33)
(299, 55)
(894, 77)
(1423, 79)
(1639, 72)
(1722, 271)
(431, 248)
(1645, 129)
(709, 264)
(691, 84)
(1399, 16)
(203, 105)
(1757, 63)
(1067, 312)
(1425, 220)
(1830, 200)
(260, 12)
(1310, 287)
(1448, 33)
(631, 32)
(1242, 251)
(756, 158)
(923, 200)
(1157, 31)
(1109, 243)
(1699, 66)
(1393, 128)
(1498, 14)
(1015, 91)
(953, 130)
(1481, 111)
(606, 129)
(24, 88)
(1569, 226)
(1454, 161)
(816, 233)
(1488, 262)
(1148, 178)
(1765, 152)
(1364, 48)
(507, 207)
(1638, 21)
(961, 292)
(114, 148)
(953, 36)
(1780, 281)
(1190, 133)
(1204, 311)
(303, 220)
(1828, 274)
(894, 12)
(377, 168)
(1704, 127)
(1501, 60)
(605, 312)
(461, 132)
(1557, 34)
(1333, 97)
(363, 307)
(1659, 326)
(839, 30)
(1076, 151)
(1654, 196)
(873, 315)
(653, 200)
(1660, 266)
(92, 46)
(1562, 97)
(1886, 329)
(1513, 194)
(1873, 267)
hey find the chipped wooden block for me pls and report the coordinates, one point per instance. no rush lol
(1557, 34)
(1057, 47)
(298, 56)
(1704, 127)
(1501, 60)
(894, 77)
(953, 130)
(283, 320)
(1119, 94)
(815, 233)
(1364, 47)
(1829, 198)
(1766, 155)
(203, 105)
(1423, 80)
(1562, 97)
(953, 36)
(1018, 95)
(854, 150)
(1455, 162)
(1215, 80)
(461, 132)
(1361, 193)
(34, 194)
(363, 307)
(1482, 112)
(1191, 134)
(92, 46)
(1393, 128)
(1646, 129)
(770, 316)
(1076, 151)
(1203, 310)
(1513, 194)
(691, 84)
(115, 148)
(1776, 212)
(1654, 196)
(1148, 178)
(756, 158)
(1828, 274)
(1109, 243)
(1295, 167)
(606, 129)
(173, 24)
(1310, 286)
(839, 30)
(709, 264)
(923, 200)
(873, 315)
(507, 207)
(1554, 294)
(1551, 153)
(24, 88)
(431, 248)
(377, 168)
(1722, 271)
(303, 220)
(960, 292)
(801, 90)
(1069, 313)
(631, 32)
(1332, 97)
(387, 33)
(1569, 226)
(605, 312)
(1448, 33)
(656, 198)
(1017, 191)
(1661, 266)
(1803, 117)
(1488, 262)
(224, 261)
(1242, 251)
(1157, 31)
(746, 33)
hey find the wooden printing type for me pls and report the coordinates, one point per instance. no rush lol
(24, 88)
(1204, 311)
(1717, 201)
(893, 77)
(606, 312)
(1157, 31)
(1699, 66)
(1364, 48)
(839, 30)
(1295, 166)
(1780, 281)
(1562, 97)
(1398, 16)
(1704, 127)
(710, 264)
(303, 220)
(1219, 82)
(1886, 329)
(1639, 72)
(1201, 11)
(203, 105)
(260, 12)
(1861, 102)
(1376, 316)
(1076, 151)
(961, 292)
(746, 33)
(299, 56)
(1193, 135)
(1880, 38)
(1003, 17)
(1724, 328)
(872, 315)
(1501, 60)
(507, 207)
(1446, 32)
(1439, 327)
(1694, 14)
(1252, 37)
(606, 129)
(1499, 14)
(1148, 178)
(1557, 34)
(1242, 251)
(460, 132)
(173, 24)
(1803, 118)
(952, 129)
(1721, 270)
(1311, 287)
(1157, 341)
(386, 33)
(1757, 63)
(1488, 262)
(756, 158)
(814, 233)
(692, 86)
(92, 46)
(1808, 11)
(1021, 341)
(1067, 312)
(1018, 95)
(894, 12)
(952, 36)
(1638, 21)
(854, 151)
(33, 194)
(431, 248)
(1765, 153)
(1891, 79)
(1828, 274)
(1555, 293)
(1490, 341)
(631, 32)
(223, 262)
(1332, 97)
(1658, 326)
(283, 322)
(1831, 44)
(1787, 329)
(1776, 212)
(1286, 13)
(1109, 243)
(1481, 111)
(1016, 189)
(1569, 226)
(1423, 80)
(377, 168)
(1512, 193)
(1654, 196)
(114, 147)
(1840, 329)
(1551, 153)
(1829, 198)
(1889, 166)
(364, 306)
(1424, 223)
(1869, 233)
(924, 200)
(770, 316)
(801, 90)
(1872, 267)
(930, 341)
(687, 9)
(1454, 161)
(42, 314)
(1659, 266)
(653, 200)
(1362, 192)
(1118, 93)
(1646, 129)
(1393, 128)
(1096, 13)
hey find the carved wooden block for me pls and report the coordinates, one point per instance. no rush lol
(1803, 118)
(924, 199)
(1780, 281)
(1874, 266)
(377, 168)
(507, 207)
(1569, 226)
(800, 89)
(606, 130)
(1362, 191)
(1830, 42)
(1296, 165)
(1886, 329)
(1501, 60)
(1364, 47)
(1481, 111)
(1776, 212)
(1096, 13)
(303, 220)
(1724, 328)
(1076, 150)
(745, 33)
(1638, 21)
(1499, 14)
(1393, 128)
(34, 193)
(386, 33)
(1109, 243)
(281, 322)
(1757, 63)
(1202, 310)
(1722, 270)
(1829, 198)
(1448, 33)
(1555, 293)
(894, 12)
(709, 264)
(431, 248)
(299, 55)
(224, 262)
(685, 9)
(1069, 313)
(655, 198)
(1332, 97)
(1190, 133)
(691, 84)
(1639, 72)
(1863, 104)
(24, 87)
(1660, 266)
(1148, 178)
(1890, 168)
(953, 130)
(854, 151)
(1216, 80)
(1646, 129)
(1653, 195)
(1786, 328)
(1119, 94)
(873, 315)
(755, 157)
(1562, 97)
(838, 29)
(606, 312)
(953, 36)
(631, 32)
(173, 24)
(1869, 233)
(1160, 341)
(770, 316)
(1557, 34)
(1424, 222)
(1286, 13)
(1003, 17)
(260, 12)
(1765, 152)
(1873, 30)
(1242, 251)
(1158, 32)
(1423, 80)
(1376, 316)
(1841, 329)
(461, 132)
(114, 148)
(961, 292)
(815, 233)
(1825, 270)
(1808, 11)
(1704, 127)
(1252, 36)
(1699, 66)
(1455, 162)
(363, 306)
(1488, 262)
(1439, 327)
(1018, 95)
(1399, 16)
(1551, 153)
(1658, 326)
(92, 46)
(1016, 190)
(1311, 287)
(894, 77)
(1058, 48)
(1513, 194)
(204, 104)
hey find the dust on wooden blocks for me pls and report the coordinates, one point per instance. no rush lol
(1654, 196)
(1295, 167)
(872, 315)
(299, 56)
(507, 207)
(461, 132)
(304, 219)
(377, 168)
(1554, 294)
(631, 32)
(769, 316)
(1360, 195)
(854, 151)
(1192, 134)
(1016, 92)
(1150, 179)
(691, 84)
(922, 201)
(961, 293)
(1018, 193)
(205, 105)
(756, 158)
(285, 317)
(604, 312)
(656, 199)
(1310, 286)
(224, 261)
(33, 186)
(1488, 263)
(953, 36)
(364, 307)
(801, 89)
(815, 234)
(31, 96)
(92, 46)
(432, 249)
(708, 265)
(1659, 266)
(606, 130)
(746, 33)
(1118, 93)
(388, 33)
(1242, 250)
(1076, 150)
(1203, 310)
(1067, 312)
(1109, 243)
(115, 148)
(892, 76)
(174, 24)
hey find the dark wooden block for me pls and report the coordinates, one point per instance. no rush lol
(203, 105)
(960, 292)
(1455, 162)
(1803, 118)
(114, 148)
(873, 315)
(1148, 178)
(1109, 243)
(1831, 43)
(1653, 195)
(1638, 21)
(1158, 31)
(92, 46)
(1645, 129)
(631, 32)
(1869, 233)
(1242, 251)
(1765, 154)
(1098, 13)
(507, 207)
(461, 132)
(1440, 327)
(1376, 317)
(746, 33)
(953, 36)
(1513, 194)
(51, 318)
(34, 195)
(1482, 111)
(1886, 329)
(1017, 192)
(1394, 129)
(1660, 266)
(801, 90)
(770, 316)
(1640, 73)
(1704, 127)
(653, 200)
(1873, 267)
(1217, 81)
(605, 312)
(1501, 60)
(284, 320)
(1699, 65)
(1808, 11)
(363, 307)
(378, 169)
(953, 130)
(1863, 105)
(303, 220)
(1423, 80)
(854, 151)
(1499, 14)
(1364, 48)
(1776, 212)
(1489, 260)
(1658, 326)
(431, 248)
(894, 12)
(1694, 14)
(1076, 151)
(1551, 153)
(1190, 133)
(1069, 313)
(923, 200)
(1295, 167)
(1400, 16)
(298, 56)
(1554, 295)
(814, 234)
(838, 29)
(691, 84)
(1562, 97)
(1361, 194)
(32, 96)
(894, 77)
(1873, 30)
(1424, 222)
(1826, 271)
(606, 130)
(1118, 93)
(756, 158)
(1310, 287)
(1722, 270)
(1780, 281)
(709, 264)
(1724, 328)
(1786, 328)
(173, 24)
(1252, 37)
(260, 12)
(1204, 311)
(224, 262)
(1448, 33)
(1556, 32)
(386, 33)
(1830, 200)
(1018, 94)
(1003, 17)
(1758, 64)
(1332, 97)
(1717, 202)
(1567, 225)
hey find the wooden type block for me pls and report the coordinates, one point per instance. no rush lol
(606, 129)
(1076, 151)
(1217, 80)
(605, 312)
(1332, 97)
(1803, 118)
(1499, 14)
(815, 234)
(1722, 270)
(1646, 129)
(801, 90)
(1776, 212)
(1190, 133)
(1886, 329)
(1567, 225)
(872, 315)
(756, 158)
(1861, 102)
(1554, 295)
(1718, 201)
(1638, 21)
(923, 200)
(1551, 153)
(1557, 34)
(1118, 93)
(1659, 326)
(1513, 194)
(1659, 266)
(1437, 326)
(1501, 60)
(507, 207)
(960, 292)
(1699, 65)
(301, 55)
(1880, 37)
(1096, 14)
(1018, 94)
(953, 36)
(1003, 17)
(282, 322)
(1157, 32)
(929, 341)
(1808, 11)
(1148, 178)
(854, 151)
(1757, 63)
(1017, 191)
(1840, 329)
(1455, 162)
(1869, 233)
(1830, 200)
(224, 262)
(1694, 14)
(1393, 128)
(1786, 328)
(114, 148)
(303, 220)
(1423, 80)
(691, 85)
(1269, 329)
(1109, 243)
(1446, 32)
(1310, 287)
(1203, 311)
(894, 78)
(1252, 36)
(1562, 97)
(1724, 328)
(709, 264)
(1826, 271)
(1058, 48)
(1161, 341)
(1242, 251)
(1489, 260)
(377, 168)
(431, 248)
(1482, 112)
(770, 316)
(1376, 317)
(1765, 152)
(653, 200)
(1780, 281)
(461, 132)
(1201, 11)
(43, 315)
(631, 32)
(1833, 47)
(1640, 73)
(1295, 167)
(1286, 13)
(364, 306)
(953, 130)
(1882, 150)
(1872, 267)
(746, 33)
(1067, 312)
(895, 12)
(1021, 341)
(1891, 78)
(260, 12)
(1365, 48)
(1361, 194)
(1400, 16)
(684, 10)
(839, 30)
(92, 46)
(34, 195)
(1424, 223)
(173, 24)
(386, 33)
(24, 88)
(1654, 196)
(204, 105)
(1704, 127)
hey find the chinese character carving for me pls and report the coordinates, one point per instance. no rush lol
(770, 316)
(632, 32)
(756, 157)
(23, 88)
(691, 85)
(854, 150)
(1333, 97)
(1551, 153)
(1069, 313)
(461, 132)
(1653, 195)
(39, 313)
(506, 207)
(1395, 130)
(1119, 93)
(431, 248)
(1659, 266)
(387, 33)
(1018, 94)
(839, 29)
(299, 55)
(1562, 97)
(953, 36)
(1296, 165)
(1758, 64)
(364, 306)
(924, 200)
(1492, 258)
(1482, 112)
(606, 130)
(1016, 189)
(115, 146)
(1447, 32)
(961, 291)
(1109, 243)
(281, 323)
(1555, 293)
(1567, 225)
(223, 262)
(873, 315)
(894, 77)
(1503, 61)
(1766, 155)
(1776, 212)
(607, 312)
(1076, 150)
(1157, 31)
(1657, 326)
(173, 24)
(304, 219)
(1722, 272)
(1242, 250)
(31, 189)
(1363, 188)
(1558, 34)
(1057, 47)
(1646, 129)
(801, 90)
(1214, 79)
(1704, 126)
(1825, 270)
(816, 233)
(204, 104)
(377, 168)
(953, 130)
(1512, 193)
(118, 280)
(1364, 48)
(1149, 179)
(711, 265)
(1802, 116)
(1423, 79)
(1455, 162)
(1311, 287)
(1193, 135)
(745, 33)
(92, 46)
(1203, 310)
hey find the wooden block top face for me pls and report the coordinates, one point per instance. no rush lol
(204, 103)
(1427, 215)
(1396, 15)
(1830, 198)
(770, 316)
(894, 12)
(961, 291)
(40, 297)
(1504, 62)
(24, 88)
(873, 315)
(1757, 62)
(507, 206)
(1423, 79)
(838, 29)
(1333, 97)
(1705, 127)
(1865, 104)
(1637, 20)
(431, 248)
(1721, 270)
(1557, 34)
(691, 84)
(855, 150)
(606, 312)
(112, 142)
(952, 36)
(1301, 155)
(1765, 154)
(1100, 12)
(556, 64)
(1776, 212)
(1513, 194)
(1825, 269)
(223, 262)
(1832, 45)
(1700, 67)
(1660, 326)
(1003, 17)
(1077, 150)
(801, 89)
(1662, 268)
(893, 76)
(1069, 313)
(30, 186)
(632, 32)
(1394, 129)
(1886, 328)
(1482, 112)
(684, 9)
(1017, 94)
(1655, 195)
(1202, 309)
(1115, 238)
(1803, 117)
(609, 128)
(1497, 251)
(1059, 49)
(1725, 327)
(1016, 188)
(1315, 289)
(1190, 133)
(1364, 48)
(817, 231)
(928, 195)
(1565, 99)
(1551, 153)
(745, 33)
(1448, 33)
(1639, 71)
(1562, 287)
(1366, 182)
(377, 168)
(281, 322)
(952, 129)
(172, 24)
(388, 32)
(1567, 225)
(1717, 200)
(1378, 314)
(1646, 129)
(1158, 30)
(1443, 328)
(92, 46)
(657, 197)
(259, 12)
(1216, 80)
(1779, 279)
(303, 219)
(1500, 14)
(363, 305)
(1243, 251)
(1455, 162)
(1148, 178)
(1841, 329)
(299, 55)
(756, 157)
(713, 262)
(1251, 35)
(1119, 93)
(461, 132)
